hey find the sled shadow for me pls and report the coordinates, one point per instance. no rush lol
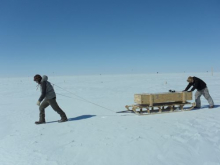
(75, 118)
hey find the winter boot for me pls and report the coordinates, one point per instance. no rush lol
(63, 119)
(212, 106)
(41, 120)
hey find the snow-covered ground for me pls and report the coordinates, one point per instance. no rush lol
(99, 136)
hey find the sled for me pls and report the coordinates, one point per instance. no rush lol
(159, 103)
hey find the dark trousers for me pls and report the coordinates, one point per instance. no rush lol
(54, 105)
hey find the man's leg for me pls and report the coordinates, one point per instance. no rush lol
(208, 97)
(42, 107)
(56, 108)
(197, 98)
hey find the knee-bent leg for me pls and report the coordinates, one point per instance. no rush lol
(43, 105)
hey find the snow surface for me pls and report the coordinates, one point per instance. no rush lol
(98, 136)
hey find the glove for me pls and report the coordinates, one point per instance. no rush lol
(38, 103)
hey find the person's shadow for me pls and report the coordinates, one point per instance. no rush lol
(82, 117)
(207, 106)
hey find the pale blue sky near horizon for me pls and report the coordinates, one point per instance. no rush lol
(74, 37)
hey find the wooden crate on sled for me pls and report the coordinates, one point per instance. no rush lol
(160, 102)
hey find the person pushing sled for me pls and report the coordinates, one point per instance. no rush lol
(48, 96)
(158, 103)
(202, 89)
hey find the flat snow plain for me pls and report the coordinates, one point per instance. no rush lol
(97, 136)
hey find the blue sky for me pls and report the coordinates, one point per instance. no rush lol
(60, 37)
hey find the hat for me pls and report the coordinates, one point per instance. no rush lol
(37, 78)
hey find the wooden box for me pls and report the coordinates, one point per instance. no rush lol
(148, 98)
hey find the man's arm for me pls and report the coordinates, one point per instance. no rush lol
(188, 86)
(43, 93)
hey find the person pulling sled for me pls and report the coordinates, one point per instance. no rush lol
(48, 96)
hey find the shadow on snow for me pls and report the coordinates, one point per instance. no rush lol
(207, 106)
(195, 109)
(82, 117)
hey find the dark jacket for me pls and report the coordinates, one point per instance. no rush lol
(47, 90)
(197, 84)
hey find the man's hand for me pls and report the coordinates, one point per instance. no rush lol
(38, 103)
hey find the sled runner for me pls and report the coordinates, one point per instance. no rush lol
(160, 103)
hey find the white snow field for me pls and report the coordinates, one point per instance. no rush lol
(97, 136)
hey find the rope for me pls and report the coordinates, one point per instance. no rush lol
(83, 98)
(69, 97)
(63, 95)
